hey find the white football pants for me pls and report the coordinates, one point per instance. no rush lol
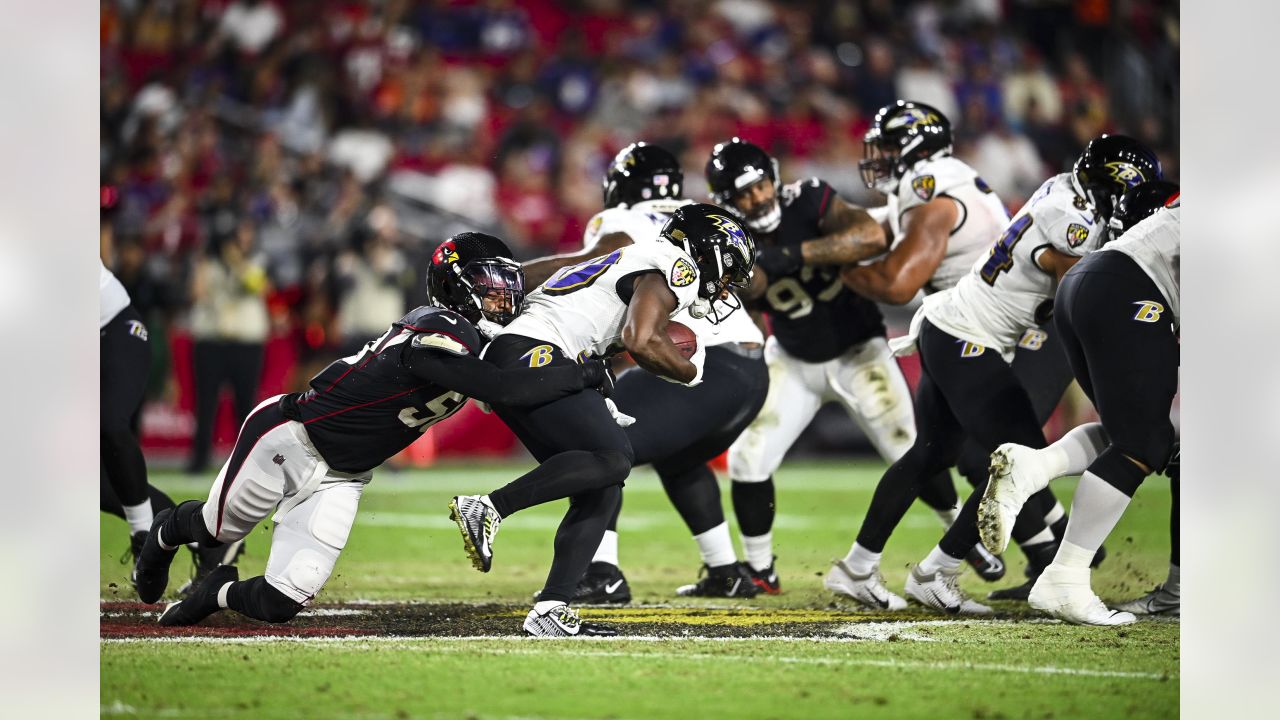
(866, 379)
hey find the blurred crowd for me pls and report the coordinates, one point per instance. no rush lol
(292, 163)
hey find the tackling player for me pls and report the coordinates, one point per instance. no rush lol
(1118, 314)
(677, 429)
(966, 337)
(828, 343)
(622, 300)
(307, 456)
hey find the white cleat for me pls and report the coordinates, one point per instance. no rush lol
(1016, 474)
(1157, 602)
(563, 621)
(1065, 593)
(868, 589)
(940, 590)
(478, 523)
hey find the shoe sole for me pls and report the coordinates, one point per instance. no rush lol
(468, 543)
(161, 579)
(991, 529)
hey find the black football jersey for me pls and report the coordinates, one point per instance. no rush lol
(812, 313)
(365, 408)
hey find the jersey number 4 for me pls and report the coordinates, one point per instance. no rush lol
(1001, 259)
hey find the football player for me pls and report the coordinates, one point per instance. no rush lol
(828, 343)
(677, 429)
(307, 456)
(124, 364)
(942, 216)
(621, 300)
(966, 336)
(1118, 312)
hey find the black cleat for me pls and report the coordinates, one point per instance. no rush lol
(207, 559)
(151, 571)
(603, 584)
(202, 601)
(766, 579)
(727, 581)
(987, 565)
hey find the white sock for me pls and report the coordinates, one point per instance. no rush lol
(222, 595)
(861, 560)
(1055, 513)
(1072, 555)
(608, 550)
(139, 516)
(544, 606)
(948, 516)
(1095, 510)
(1075, 451)
(758, 549)
(716, 546)
(1044, 536)
(1174, 583)
(160, 539)
(937, 560)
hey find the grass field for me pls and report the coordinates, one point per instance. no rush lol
(454, 650)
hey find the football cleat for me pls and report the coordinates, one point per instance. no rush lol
(478, 522)
(1065, 594)
(766, 579)
(988, 566)
(727, 581)
(202, 601)
(868, 590)
(1157, 602)
(1039, 556)
(563, 621)
(1015, 476)
(941, 590)
(151, 570)
(603, 584)
(206, 559)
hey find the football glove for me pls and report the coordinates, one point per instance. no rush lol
(779, 260)
(597, 373)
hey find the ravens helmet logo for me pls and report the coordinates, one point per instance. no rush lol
(1125, 173)
(732, 231)
(912, 117)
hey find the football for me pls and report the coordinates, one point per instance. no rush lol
(683, 338)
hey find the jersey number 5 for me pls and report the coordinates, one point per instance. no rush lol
(1002, 252)
(435, 411)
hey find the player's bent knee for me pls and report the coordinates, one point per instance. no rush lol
(274, 606)
(613, 465)
(1116, 467)
(304, 576)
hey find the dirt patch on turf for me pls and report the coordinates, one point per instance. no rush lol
(122, 620)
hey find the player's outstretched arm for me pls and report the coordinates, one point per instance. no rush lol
(537, 271)
(644, 333)
(512, 387)
(898, 276)
(850, 235)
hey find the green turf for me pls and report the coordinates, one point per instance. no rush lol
(404, 547)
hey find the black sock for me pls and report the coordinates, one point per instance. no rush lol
(1174, 542)
(696, 496)
(613, 521)
(186, 525)
(939, 492)
(256, 598)
(576, 541)
(963, 533)
(754, 505)
(567, 474)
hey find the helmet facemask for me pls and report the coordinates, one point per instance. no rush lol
(494, 287)
(879, 166)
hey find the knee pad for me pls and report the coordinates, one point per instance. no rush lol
(1118, 470)
(1151, 446)
(304, 576)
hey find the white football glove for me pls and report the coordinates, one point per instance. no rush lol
(623, 419)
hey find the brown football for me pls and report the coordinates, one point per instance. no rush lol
(683, 338)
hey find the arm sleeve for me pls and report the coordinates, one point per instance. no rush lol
(486, 382)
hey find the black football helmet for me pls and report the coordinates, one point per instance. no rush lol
(471, 267)
(642, 172)
(735, 166)
(1141, 202)
(1109, 166)
(723, 250)
(901, 135)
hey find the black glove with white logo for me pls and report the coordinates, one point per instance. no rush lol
(779, 260)
(597, 373)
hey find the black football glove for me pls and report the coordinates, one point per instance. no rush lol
(597, 373)
(779, 260)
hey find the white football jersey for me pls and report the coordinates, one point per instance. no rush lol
(112, 297)
(982, 215)
(579, 309)
(1156, 245)
(1005, 291)
(642, 222)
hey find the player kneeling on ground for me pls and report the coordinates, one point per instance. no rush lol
(308, 456)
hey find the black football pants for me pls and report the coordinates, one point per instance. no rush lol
(123, 367)
(584, 456)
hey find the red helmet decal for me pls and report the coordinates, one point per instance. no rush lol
(446, 253)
